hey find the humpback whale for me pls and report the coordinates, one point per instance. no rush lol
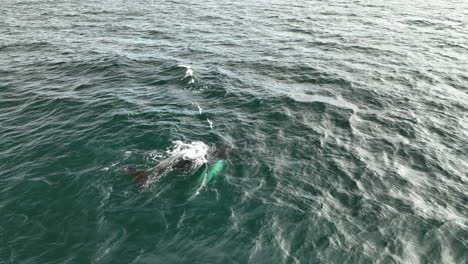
(187, 158)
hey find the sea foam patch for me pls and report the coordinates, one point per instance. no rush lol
(195, 151)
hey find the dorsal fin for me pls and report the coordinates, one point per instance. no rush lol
(141, 176)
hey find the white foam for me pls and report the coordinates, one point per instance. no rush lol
(195, 151)
(184, 66)
(210, 122)
(155, 156)
(199, 109)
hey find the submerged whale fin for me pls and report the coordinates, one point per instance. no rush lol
(141, 176)
(216, 169)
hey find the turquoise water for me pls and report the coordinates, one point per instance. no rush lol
(353, 115)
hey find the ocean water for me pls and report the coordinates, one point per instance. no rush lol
(353, 117)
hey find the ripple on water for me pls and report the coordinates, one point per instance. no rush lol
(353, 116)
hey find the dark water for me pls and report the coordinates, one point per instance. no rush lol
(354, 114)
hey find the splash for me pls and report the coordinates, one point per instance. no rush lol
(188, 73)
(189, 156)
(195, 151)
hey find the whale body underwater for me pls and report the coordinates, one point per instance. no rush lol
(187, 158)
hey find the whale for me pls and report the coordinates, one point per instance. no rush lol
(187, 158)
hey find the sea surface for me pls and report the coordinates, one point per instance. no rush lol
(353, 119)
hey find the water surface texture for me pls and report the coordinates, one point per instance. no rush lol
(352, 114)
